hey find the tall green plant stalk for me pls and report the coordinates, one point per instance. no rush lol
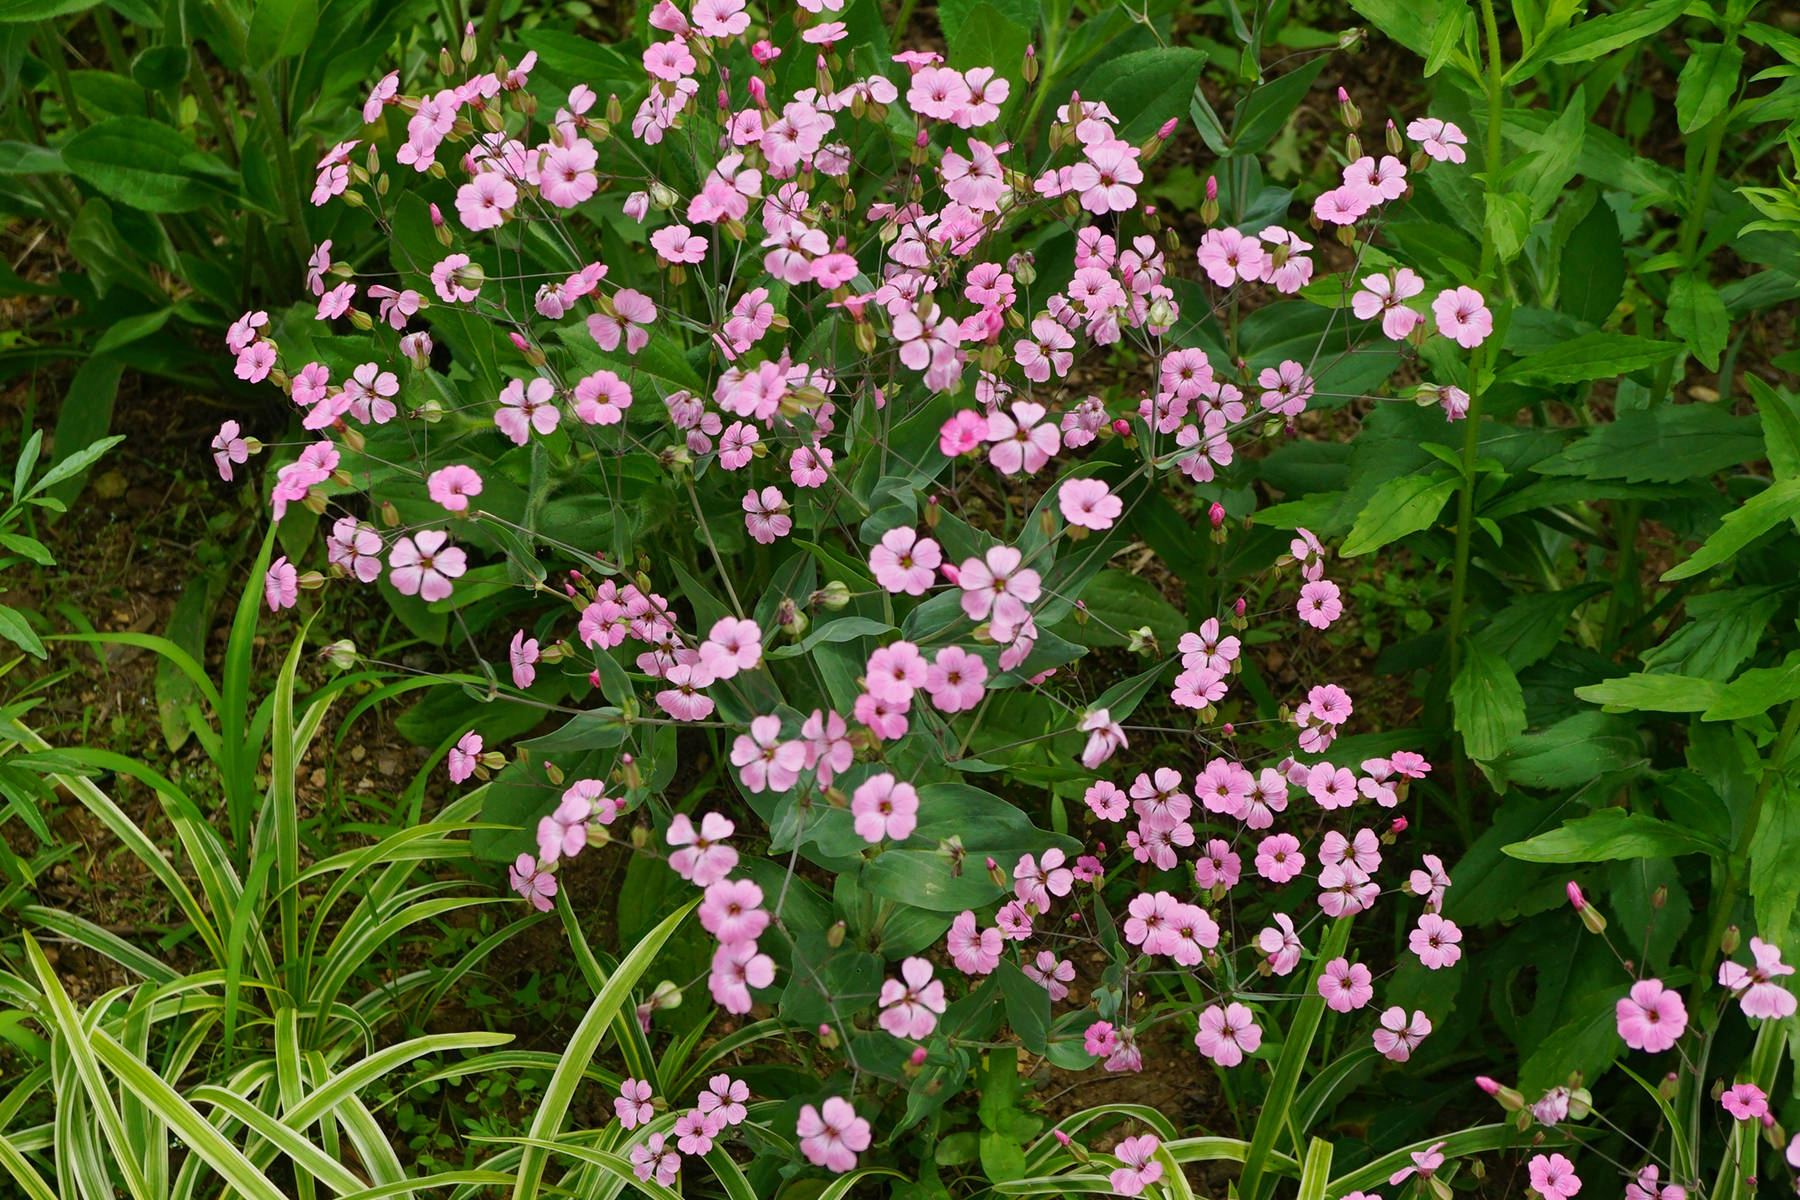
(1478, 372)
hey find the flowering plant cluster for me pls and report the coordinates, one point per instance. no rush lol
(816, 382)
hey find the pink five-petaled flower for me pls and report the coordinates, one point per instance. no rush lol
(1553, 1176)
(1651, 1017)
(1745, 1101)
(1648, 1185)
(905, 562)
(725, 1096)
(1463, 317)
(532, 882)
(1345, 985)
(997, 584)
(962, 433)
(1023, 441)
(884, 808)
(736, 968)
(452, 486)
(911, 1005)
(464, 756)
(1089, 503)
(832, 1135)
(633, 1103)
(701, 857)
(1397, 1036)
(732, 911)
(1227, 1033)
(281, 585)
(484, 201)
(1386, 296)
(1106, 737)
(1438, 138)
(1436, 941)
(955, 680)
(1758, 993)
(1140, 1169)
(1424, 1164)
(423, 566)
(1319, 604)
(525, 407)
(229, 448)
(766, 515)
(763, 760)
(678, 244)
(655, 1158)
(973, 951)
(523, 655)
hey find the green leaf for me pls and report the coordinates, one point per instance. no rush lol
(1613, 833)
(1653, 693)
(131, 329)
(1146, 88)
(14, 628)
(1408, 22)
(1488, 705)
(81, 428)
(280, 29)
(1596, 36)
(1591, 280)
(1662, 444)
(1779, 410)
(145, 164)
(1027, 1007)
(1756, 692)
(1267, 110)
(1590, 356)
(1698, 317)
(1761, 513)
(1556, 151)
(38, 10)
(1774, 884)
(27, 158)
(1530, 626)
(1707, 81)
(1570, 753)
(1401, 506)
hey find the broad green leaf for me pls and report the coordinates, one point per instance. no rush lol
(1779, 410)
(1145, 88)
(1721, 633)
(280, 29)
(1662, 444)
(1613, 833)
(1653, 693)
(1267, 110)
(1557, 151)
(1756, 692)
(1761, 513)
(1571, 752)
(1489, 706)
(1590, 356)
(1530, 626)
(15, 629)
(1599, 35)
(1706, 84)
(1698, 317)
(145, 164)
(1408, 22)
(1774, 884)
(1591, 279)
(1027, 1007)
(38, 10)
(132, 329)
(1401, 506)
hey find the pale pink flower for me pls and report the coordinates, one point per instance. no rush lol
(523, 655)
(732, 645)
(1229, 255)
(1140, 1168)
(904, 562)
(701, 856)
(1553, 1176)
(484, 201)
(737, 967)
(884, 808)
(1281, 944)
(1345, 985)
(1463, 317)
(962, 433)
(1398, 1035)
(1438, 138)
(525, 407)
(423, 565)
(654, 1158)
(463, 757)
(1385, 295)
(677, 244)
(973, 951)
(724, 1097)
(228, 447)
(833, 1135)
(452, 486)
(732, 911)
(1227, 1033)
(1319, 604)
(532, 883)
(911, 1005)
(955, 680)
(1089, 503)
(1436, 941)
(1651, 1017)
(1424, 1164)
(1755, 987)
(763, 760)
(281, 585)
(766, 515)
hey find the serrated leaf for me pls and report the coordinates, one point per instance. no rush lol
(1653, 693)
(1698, 317)
(1761, 513)
(1590, 356)
(1663, 444)
(1779, 410)
(1706, 84)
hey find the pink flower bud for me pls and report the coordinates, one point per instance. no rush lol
(1216, 514)
(1228, 729)
(1490, 1086)
(437, 217)
(594, 678)
(1062, 1138)
(1343, 96)
(518, 340)
(1122, 427)
(1239, 606)
(923, 140)
(1212, 187)
(951, 573)
(918, 1056)
(759, 91)
(1399, 825)
(1575, 896)
(992, 865)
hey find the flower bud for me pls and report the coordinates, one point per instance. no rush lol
(640, 836)
(1031, 65)
(1143, 641)
(828, 1037)
(446, 64)
(834, 937)
(1160, 313)
(1728, 944)
(1353, 147)
(313, 503)
(552, 772)
(341, 654)
(1395, 143)
(352, 438)
(1215, 513)
(361, 319)
(995, 874)
(1509, 1099)
(951, 850)
(1660, 896)
(1209, 207)
(1348, 113)
(788, 616)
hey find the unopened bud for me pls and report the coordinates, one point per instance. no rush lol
(834, 937)
(1353, 147)
(833, 596)
(1215, 513)
(996, 874)
(1395, 143)
(446, 64)
(1510, 1099)
(828, 1037)
(1729, 942)
(341, 654)
(951, 850)
(1031, 64)
(1143, 641)
(1660, 896)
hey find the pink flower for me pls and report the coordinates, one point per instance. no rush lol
(1430, 882)
(1052, 972)
(905, 562)
(828, 748)
(973, 951)
(766, 515)
(525, 407)
(1647, 1186)
(954, 680)
(633, 1103)
(669, 60)
(1553, 1176)
(452, 486)
(695, 1130)
(1089, 503)
(1438, 138)
(1281, 944)
(229, 448)
(523, 655)
(1386, 296)
(998, 585)
(1286, 388)
(1398, 1036)
(423, 566)
(632, 313)
(1105, 736)
(281, 586)
(1227, 1033)
(1319, 604)
(763, 760)
(1228, 255)
(1424, 1164)
(1106, 177)
(962, 433)
(464, 756)
(1757, 993)
(1436, 941)
(725, 1096)
(567, 177)
(732, 911)
(720, 18)
(884, 808)
(484, 201)
(1463, 317)
(1023, 441)
(601, 399)
(1386, 178)
(911, 1005)
(1745, 1101)
(736, 968)
(1047, 349)
(685, 698)
(701, 856)
(534, 885)
(832, 1138)
(255, 361)
(1345, 985)
(654, 1159)
(732, 645)
(677, 244)
(1344, 205)
(1651, 1017)
(1140, 1169)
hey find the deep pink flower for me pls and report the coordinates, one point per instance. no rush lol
(1553, 1176)
(1651, 1017)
